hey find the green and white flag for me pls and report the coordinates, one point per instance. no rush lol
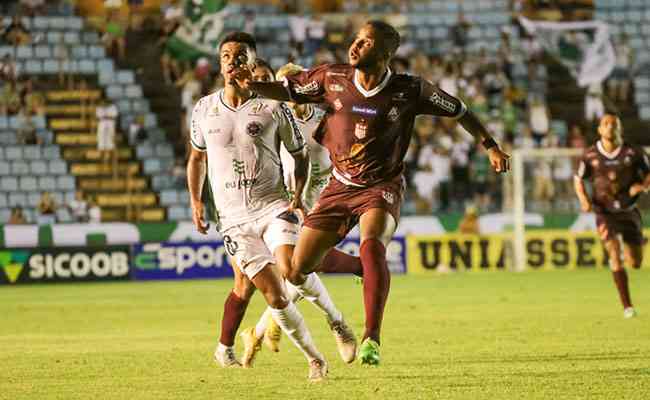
(583, 47)
(201, 30)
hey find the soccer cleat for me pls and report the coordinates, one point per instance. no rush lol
(629, 313)
(252, 345)
(272, 335)
(317, 370)
(369, 352)
(346, 342)
(226, 357)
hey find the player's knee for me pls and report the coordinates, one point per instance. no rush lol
(244, 289)
(634, 262)
(278, 302)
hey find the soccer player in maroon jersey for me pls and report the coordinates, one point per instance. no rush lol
(368, 130)
(618, 174)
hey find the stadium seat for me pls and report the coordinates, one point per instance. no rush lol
(20, 167)
(87, 66)
(144, 151)
(164, 150)
(38, 167)
(9, 184)
(17, 199)
(5, 214)
(13, 153)
(66, 182)
(3, 200)
(63, 215)
(47, 183)
(51, 66)
(152, 165)
(74, 23)
(51, 152)
(42, 51)
(40, 23)
(150, 120)
(176, 213)
(79, 51)
(114, 92)
(169, 197)
(33, 199)
(54, 37)
(4, 122)
(58, 167)
(105, 65)
(32, 152)
(34, 67)
(96, 51)
(57, 23)
(28, 184)
(4, 168)
(90, 37)
(125, 77)
(160, 182)
(133, 91)
(71, 38)
(24, 52)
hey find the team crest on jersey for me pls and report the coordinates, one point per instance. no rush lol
(595, 163)
(393, 114)
(258, 108)
(214, 112)
(388, 196)
(308, 89)
(627, 160)
(400, 96)
(361, 129)
(338, 105)
(335, 87)
(254, 129)
(611, 175)
(442, 103)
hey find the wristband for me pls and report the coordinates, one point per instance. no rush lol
(489, 143)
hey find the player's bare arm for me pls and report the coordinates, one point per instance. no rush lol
(270, 90)
(499, 160)
(300, 174)
(581, 192)
(195, 178)
(641, 187)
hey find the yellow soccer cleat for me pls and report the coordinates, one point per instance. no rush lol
(252, 345)
(272, 335)
(346, 342)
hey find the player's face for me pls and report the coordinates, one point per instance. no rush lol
(232, 56)
(366, 49)
(610, 128)
(262, 74)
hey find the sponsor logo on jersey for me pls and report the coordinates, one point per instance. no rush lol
(257, 108)
(400, 96)
(388, 196)
(627, 160)
(442, 103)
(308, 89)
(214, 131)
(254, 129)
(611, 162)
(330, 73)
(338, 105)
(393, 114)
(364, 110)
(361, 129)
(335, 87)
(241, 184)
(214, 112)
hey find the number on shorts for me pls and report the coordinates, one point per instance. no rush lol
(230, 245)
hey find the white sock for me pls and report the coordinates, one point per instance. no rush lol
(315, 292)
(293, 325)
(221, 348)
(260, 328)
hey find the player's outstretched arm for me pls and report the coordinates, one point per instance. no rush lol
(499, 160)
(195, 178)
(640, 187)
(270, 90)
(581, 192)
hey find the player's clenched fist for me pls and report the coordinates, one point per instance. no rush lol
(198, 218)
(499, 160)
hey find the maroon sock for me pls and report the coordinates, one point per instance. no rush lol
(376, 284)
(233, 312)
(620, 278)
(338, 262)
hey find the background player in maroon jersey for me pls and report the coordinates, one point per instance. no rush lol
(618, 173)
(368, 130)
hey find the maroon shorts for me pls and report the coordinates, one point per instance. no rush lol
(340, 206)
(626, 223)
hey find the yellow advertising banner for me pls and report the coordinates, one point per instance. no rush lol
(545, 249)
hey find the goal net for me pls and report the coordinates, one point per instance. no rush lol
(549, 230)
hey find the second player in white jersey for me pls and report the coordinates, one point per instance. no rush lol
(243, 147)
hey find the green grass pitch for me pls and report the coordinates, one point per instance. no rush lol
(535, 335)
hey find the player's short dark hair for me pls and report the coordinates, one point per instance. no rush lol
(389, 35)
(259, 62)
(239, 37)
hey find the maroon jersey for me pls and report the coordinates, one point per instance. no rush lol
(612, 175)
(368, 132)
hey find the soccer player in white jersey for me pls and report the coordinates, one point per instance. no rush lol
(237, 301)
(308, 118)
(240, 135)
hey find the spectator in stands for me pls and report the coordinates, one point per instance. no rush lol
(249, 22)
(46, 209)
(469, 224)
(619, 82)
(9, 99)
(31, 8)
(94, 212)
(315, 35)
(106, 114)
(62, 54)
(449, 80)
(172, 17)
(78, 207)
(543, 185)
(114, 37)
(479, 173)
(8, 70)
(298, 28)
(17, 217)
(459, 156)
(26, 128)
(16, 34)
(525, 141)
(178, 173)
(32, 101)
(459, 33)
(510, 117)
(539, 119)
(594, 106)
(137, 134)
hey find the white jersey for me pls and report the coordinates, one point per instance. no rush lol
(106, 116)
(243, 147)
(319, 158)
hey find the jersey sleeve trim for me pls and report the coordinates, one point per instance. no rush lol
(196, 146)
(287, 85)
(295, 131)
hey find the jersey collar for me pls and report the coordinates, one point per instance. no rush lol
(377, 89)
(612, 155)
(241, 107)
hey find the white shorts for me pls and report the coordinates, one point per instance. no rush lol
(252, 244)
(105, 139)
